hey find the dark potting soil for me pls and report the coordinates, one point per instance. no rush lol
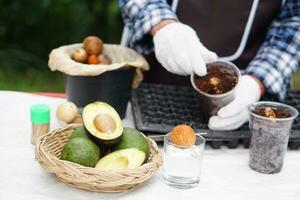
(218, 80)
(272, 112)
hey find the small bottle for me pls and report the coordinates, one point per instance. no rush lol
(40, 119)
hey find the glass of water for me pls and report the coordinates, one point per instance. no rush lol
(182, 165)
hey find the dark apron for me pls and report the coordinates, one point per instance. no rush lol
(221, 26)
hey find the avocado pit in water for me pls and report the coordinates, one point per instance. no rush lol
(218, 80)
(272, 112)
(105, 123)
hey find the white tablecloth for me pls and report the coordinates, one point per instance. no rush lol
(225, 174)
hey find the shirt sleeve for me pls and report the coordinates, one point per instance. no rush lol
(279, 56)
(139, 17)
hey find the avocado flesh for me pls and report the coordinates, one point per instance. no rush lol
(132, 138)
(88, 115)
(121, 160)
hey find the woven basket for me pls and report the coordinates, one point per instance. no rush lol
(48, 150)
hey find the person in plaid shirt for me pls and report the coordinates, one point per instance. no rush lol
(154, 26)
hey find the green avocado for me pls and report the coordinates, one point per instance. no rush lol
(103, 123)
(81, 151)
(132, 138)
(79, 132)
(122, 159)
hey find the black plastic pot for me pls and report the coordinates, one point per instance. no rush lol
(113, 87)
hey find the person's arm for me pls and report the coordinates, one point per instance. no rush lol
(140, 17)
(177, 47)
(270, 71)
(279, 56)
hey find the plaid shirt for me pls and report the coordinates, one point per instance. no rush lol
(275, 63)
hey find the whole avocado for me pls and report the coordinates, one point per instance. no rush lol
(79, 132)
(132, 138)
(81, 151)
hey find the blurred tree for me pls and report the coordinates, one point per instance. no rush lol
(30, 29)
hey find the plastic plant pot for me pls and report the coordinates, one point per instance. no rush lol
(112, 87)
(270, 136)
(211, 103)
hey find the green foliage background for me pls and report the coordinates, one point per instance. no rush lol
(30, 29)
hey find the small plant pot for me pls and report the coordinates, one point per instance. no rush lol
(113, 87)
(209, 102)
(270, 135)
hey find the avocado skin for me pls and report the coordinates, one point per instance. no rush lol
(132, 138)
(81, 151)
(80, 132)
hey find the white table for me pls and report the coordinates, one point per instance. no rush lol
(225, 174)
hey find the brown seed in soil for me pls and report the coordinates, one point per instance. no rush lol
(269, 113)
(272, 112)
(218, 80)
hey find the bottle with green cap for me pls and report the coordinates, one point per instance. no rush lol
(40, 119)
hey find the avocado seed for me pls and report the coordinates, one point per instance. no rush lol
(93, 60)
(66, 112)
(105, 123)
(269, 112)
(104, 59)
(93, 45)
(183, 135)
(80, 55)
(214, 81)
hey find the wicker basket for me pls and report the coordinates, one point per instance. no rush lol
(48, 150)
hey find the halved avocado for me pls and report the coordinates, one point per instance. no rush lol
(132, 138)
(102, 122)
(122, 159)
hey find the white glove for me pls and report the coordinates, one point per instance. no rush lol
(235, 114)
(179, 50)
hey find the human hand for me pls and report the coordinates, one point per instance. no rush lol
(235, 114)
(179, 50)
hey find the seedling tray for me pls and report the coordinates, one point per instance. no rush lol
(158, 108)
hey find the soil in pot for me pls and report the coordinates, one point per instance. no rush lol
(272, 112)
(218, 80)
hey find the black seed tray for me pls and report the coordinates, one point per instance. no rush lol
(158, 108)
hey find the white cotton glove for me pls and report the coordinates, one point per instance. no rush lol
(235, 114)
(179, 50)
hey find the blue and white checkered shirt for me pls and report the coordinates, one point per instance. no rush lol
(275, 63)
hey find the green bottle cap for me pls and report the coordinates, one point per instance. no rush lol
(40, 114)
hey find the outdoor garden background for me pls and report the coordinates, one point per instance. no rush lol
(30, 29)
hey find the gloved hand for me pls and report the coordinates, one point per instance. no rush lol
(180, 51)
(235, 114)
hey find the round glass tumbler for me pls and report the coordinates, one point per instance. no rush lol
(270, 136)
(182, 165)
